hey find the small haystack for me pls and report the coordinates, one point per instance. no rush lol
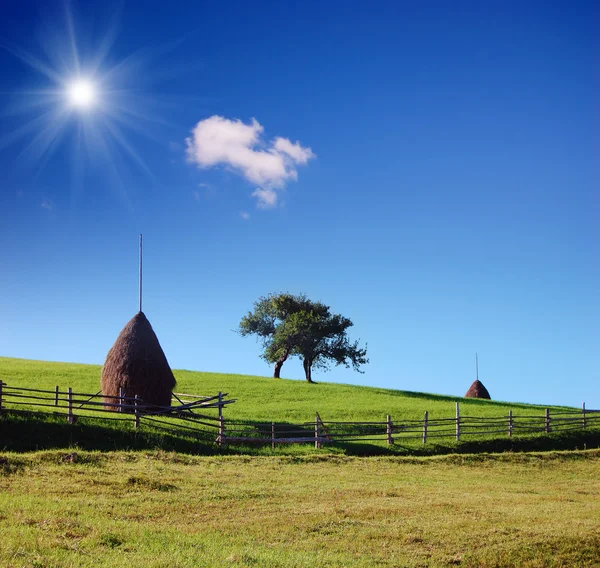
(137, 364)
(477, 390)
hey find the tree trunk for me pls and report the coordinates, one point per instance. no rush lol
(279, 363)
(307, 363)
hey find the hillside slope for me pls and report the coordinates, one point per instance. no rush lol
(263, 398)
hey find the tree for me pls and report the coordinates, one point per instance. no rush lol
(270, 321)
(290, 325)
(322, 338)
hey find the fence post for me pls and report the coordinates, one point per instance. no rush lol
(272, 435)
(425, 420)
(1, 383)
(120, 399)
(317, 443)
(390, 440)
(583, 413)
(547, 420)
(136, 410)
(221, 437)
(56, 391)
(70, 417)
(510, 423)
(457, 422)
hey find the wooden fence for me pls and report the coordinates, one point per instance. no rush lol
(390, 431)
(202, 417)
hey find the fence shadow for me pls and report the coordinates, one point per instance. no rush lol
(24, 433)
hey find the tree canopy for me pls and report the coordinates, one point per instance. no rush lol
(294, 326)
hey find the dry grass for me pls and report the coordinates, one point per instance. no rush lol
(137, 364)
(157, 509)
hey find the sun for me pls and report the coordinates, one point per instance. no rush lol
(89, 104)
(81, 94)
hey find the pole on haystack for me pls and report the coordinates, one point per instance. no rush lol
(476, 359)
(140, 272)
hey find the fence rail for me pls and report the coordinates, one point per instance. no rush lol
(199, 415)
(202, 417)
(391, 431)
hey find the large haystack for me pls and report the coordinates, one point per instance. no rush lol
(137, 364)
(477, 390)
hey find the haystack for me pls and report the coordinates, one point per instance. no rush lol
(137, 364)
(477, 390)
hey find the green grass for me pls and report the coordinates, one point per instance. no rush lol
(160, 506)
(267, 399)
(170, 510)
(261, 399)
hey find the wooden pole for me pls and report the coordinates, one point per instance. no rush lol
(425, 420)
(140, 272)
(583, 413)
(457, 422)
(547, 420)
(1, 383)
(221, 437)
(121, 402)
(136, 420)
(390, 440)
(510, 423)
(70, 417)
(272, 435)
(317, 444)
(56, 391)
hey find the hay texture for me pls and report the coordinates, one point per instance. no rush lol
(137, 364)
(477, 390)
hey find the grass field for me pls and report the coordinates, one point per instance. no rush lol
(170, 510)
(292, 507)
(262, 398)
(265, 399)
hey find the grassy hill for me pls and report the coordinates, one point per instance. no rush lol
(263, 398)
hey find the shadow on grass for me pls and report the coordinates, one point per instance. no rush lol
(464, 401)
(31, 432)
(573, 440)
(25, 433)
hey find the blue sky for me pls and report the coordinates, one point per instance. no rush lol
(429, 169)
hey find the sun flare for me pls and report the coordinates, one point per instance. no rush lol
(89, 102)
(81, 94)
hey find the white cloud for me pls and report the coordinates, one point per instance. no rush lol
(220, 141)
(267, 198)
(47, 204)
(296, 152)
(245, 215)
